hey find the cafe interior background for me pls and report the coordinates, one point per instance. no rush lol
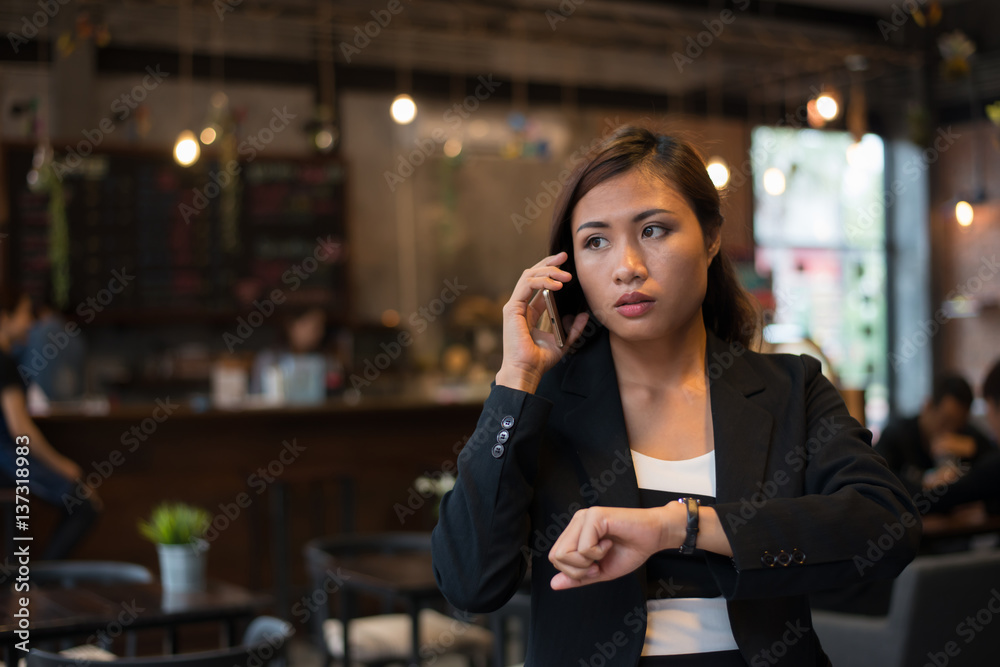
(181, 173)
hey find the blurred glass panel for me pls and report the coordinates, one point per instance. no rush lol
(822, 242)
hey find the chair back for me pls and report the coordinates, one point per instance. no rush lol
(321, 558)
(933, 601)
(269, 651)
(68, 573)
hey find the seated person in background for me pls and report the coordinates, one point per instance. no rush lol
(305, 337)
(938, 444)
(983, 481)
(60, 375)
(53, 478)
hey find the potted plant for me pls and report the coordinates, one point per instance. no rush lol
(178, 529)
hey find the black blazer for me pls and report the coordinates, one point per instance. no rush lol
(805, 502)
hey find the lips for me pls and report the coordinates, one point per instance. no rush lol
(632, 297)
(634, 304)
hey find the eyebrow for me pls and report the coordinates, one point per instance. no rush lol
(638, 218)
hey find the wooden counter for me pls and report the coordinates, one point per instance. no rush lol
(137, 456)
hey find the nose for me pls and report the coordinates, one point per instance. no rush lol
(631, 265)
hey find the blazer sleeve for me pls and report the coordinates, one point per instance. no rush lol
(854, 521)
(484, 521)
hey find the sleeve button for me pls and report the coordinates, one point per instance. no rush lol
(784, 558)
(798, 557)
(767, 559)
(507, 421)
(498, 450)
(503, 436)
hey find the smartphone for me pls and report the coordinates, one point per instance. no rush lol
(553, 312)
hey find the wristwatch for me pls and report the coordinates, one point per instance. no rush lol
(692, 505)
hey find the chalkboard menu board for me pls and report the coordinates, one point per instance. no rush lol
(184, 246)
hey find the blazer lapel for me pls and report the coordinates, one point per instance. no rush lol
(595, 426)
(595, 423)
(742, 429)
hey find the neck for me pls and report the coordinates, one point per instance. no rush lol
(676, 359)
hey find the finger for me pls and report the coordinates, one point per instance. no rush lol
(576, 572)
(597, 551)
(570, 537)
(561, 582)
(595, 528)
(536, 279)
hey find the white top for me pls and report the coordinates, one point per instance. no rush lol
(683, 625)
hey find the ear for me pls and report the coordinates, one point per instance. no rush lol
(714, 242)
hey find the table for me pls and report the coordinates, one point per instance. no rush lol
(406, 575)
(110, 609)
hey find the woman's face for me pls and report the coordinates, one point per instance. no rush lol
(640, 256)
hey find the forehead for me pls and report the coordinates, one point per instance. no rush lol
(625, 195)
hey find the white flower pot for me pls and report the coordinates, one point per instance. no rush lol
(182, 567)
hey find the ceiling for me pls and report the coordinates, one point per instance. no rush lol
(771, 53)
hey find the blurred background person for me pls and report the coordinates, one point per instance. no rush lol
(938, 444)
(982, 483)
(53, 478)
(53, 354)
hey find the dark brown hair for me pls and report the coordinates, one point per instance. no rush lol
(728, 310)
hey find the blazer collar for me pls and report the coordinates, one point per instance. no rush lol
(595, 422)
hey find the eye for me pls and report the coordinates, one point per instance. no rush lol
(653, 232)
(595, 242)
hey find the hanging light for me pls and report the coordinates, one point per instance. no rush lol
(718, 171)
(827, 107)
(403, 109)
(774, 181)
(964, 213)
(208, 135)
(452, 147)
(186, 150)
(324, 139)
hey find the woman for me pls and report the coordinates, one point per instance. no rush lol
(53, 478)
(577, 459)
